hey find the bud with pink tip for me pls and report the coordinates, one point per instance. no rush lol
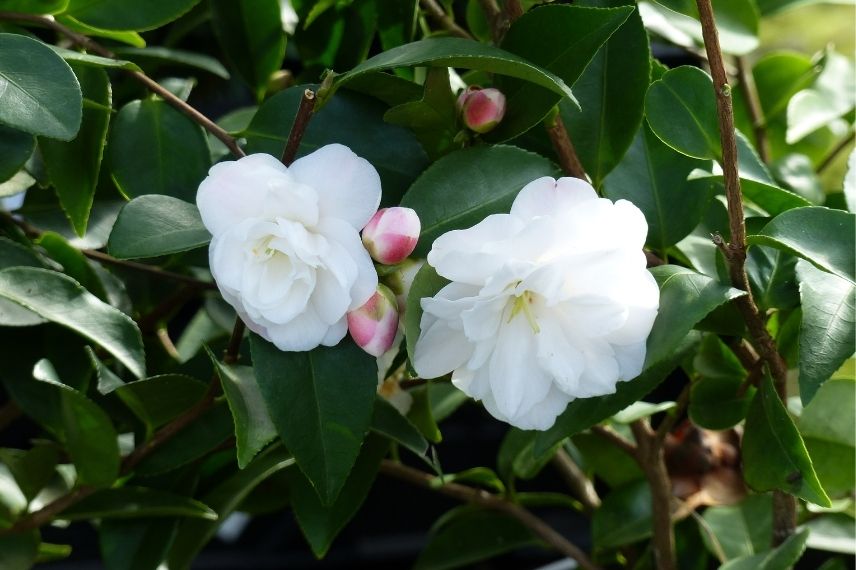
(373, 326)
(391, 234)
(481, 109)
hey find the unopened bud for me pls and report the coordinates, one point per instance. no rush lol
(391, 234)
(373, 326)
(401, 280)
(481, 109)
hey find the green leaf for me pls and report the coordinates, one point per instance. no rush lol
(624, 516)
(135, 544)
(517, 457)
(774, 455)
(639, 410)
(715, 399)
(14, 254)
(74, 166)
(253, 426)
(396, 23)
(91, 439)
(35, 6)
(654, 177)
(457, 52)
(39, 93)
(252, 39)
(171, 56)
(154, 149)
(321, 524)
(303, 393)
(18, 551)
(736, 22)
(388, 421)
(827, 336)
(15, 148)
(783, 556)
(73, 262)
(224, 498)
(830, 97)
(681, 110)
(583, 413)
(159, 399)
(560, 39)
(153, 225)
(833, 533)
(82, 59)
(124, 16)
(426, 283)
(130, 38)
(467, 535)
(739, 530)
(351, 119)
(611, 91)
(421, 413)
(60, 299)
(607, 462)
(494, 175)
(686, 297)
(828, 427)
(820, 235)
(136, 502)
(207, 432)
(33, 469)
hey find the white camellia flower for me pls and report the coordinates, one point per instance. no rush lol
(548, 303)
(286, 250)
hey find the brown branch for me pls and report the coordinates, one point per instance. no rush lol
(576, 480)
(673, 416)
(829, 159)
(568, 159)
(145, 268)
(298, 128)
(490, 501)
(436, 12)
(617, 440)
(165, 309)
(513, 10)
(495, 19)
(753, 103)
(230, 356)
(94, 47)
(784, 520)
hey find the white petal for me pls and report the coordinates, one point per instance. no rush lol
(558, 357)
(365, 283)
(330, 298)
(630, 358)
(336, 333)
(305, 332)
(542, 415)
(348, 186)
(439, 349)
(601, 372)
(547, 196)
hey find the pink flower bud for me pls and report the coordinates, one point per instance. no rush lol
(482, 109)
(391, 234)
(373, 326)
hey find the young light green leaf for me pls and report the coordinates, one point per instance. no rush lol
(135, 502)
(774, 455)
(820, 235)
(832, 95)
(87, 59)
(39, 93)
(303, 393)
(736, 21)
(154, 225)
(62, 300)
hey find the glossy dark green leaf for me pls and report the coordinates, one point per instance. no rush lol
(828, 427)
(820, 235)
(773, 278)
(827, 336)
(611, 92)
(396, 23)
(253, 426)
(32, 468)
(73, 262)
(457, 52)
(494, 175)
(624, 516)
(18, 551)
(135, 544)
(783, 556)
(252, 38)
(468, 535)
(123, 15)
(15, 148)
(35, 6)
(152, 225)
(154, 149)
(171, 56)
(303, 393)
(159, 399)
(60, 299)
(388, 421)
(13, 254)
(90, 438)
(351, 119)
(136, 502)
(718, 399)
(739, 530)
(321, 524)
(560, 39)
(74, 166)
(681, 110)
(610, 464)
(224, 498)
(774, 455)
(46, 102)
(654, 177)
(517, 457)
(686, 297)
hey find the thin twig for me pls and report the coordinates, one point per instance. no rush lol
(150, 269)
(753, 103)
(298, 128)
(574, 477)
(436, 12)
(490, 501)
(673, 416)
(617, 440)
(495, 19)
(165, 309)
(833, 154)
(94, 47)
(784, 506)
(568, 159)
(230, 356)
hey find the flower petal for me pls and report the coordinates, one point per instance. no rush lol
(547, 196)
(365, 283)
(304, 332)
(440, 349)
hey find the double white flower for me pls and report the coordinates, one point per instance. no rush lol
(548, 303)
(286, 251)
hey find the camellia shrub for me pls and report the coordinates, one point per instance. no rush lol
(254, 254)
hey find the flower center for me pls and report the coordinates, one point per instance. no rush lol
(523, 303)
